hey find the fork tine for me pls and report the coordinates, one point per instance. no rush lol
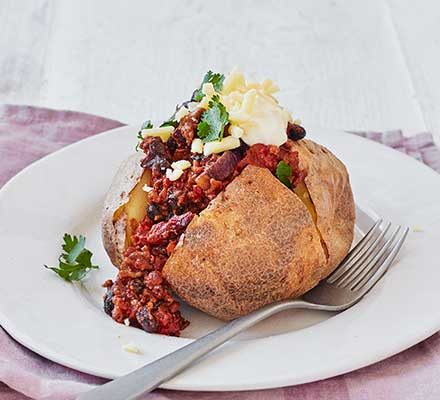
(363, 261)
(346, 263)
(371, 279)
(369, 263)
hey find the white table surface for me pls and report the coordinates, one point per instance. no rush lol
(340, 63)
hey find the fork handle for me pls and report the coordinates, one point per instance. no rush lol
(145, 379)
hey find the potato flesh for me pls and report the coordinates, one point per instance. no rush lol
(136, 206)
(302, 192)
(304, 195)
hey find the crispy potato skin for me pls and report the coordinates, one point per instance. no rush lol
(329, 187)
(114, 230)
(255, 244)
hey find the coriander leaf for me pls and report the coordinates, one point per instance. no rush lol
(210, 77)
(77, 275)
(284, 173)
(76, 261)
(170, 122)
(74, 252)
(85, 258)
(213, 121)
(146, 125)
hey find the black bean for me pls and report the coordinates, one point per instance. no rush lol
(171, 202)
(146, 320)
(295, 132)
(154, 212)
(240, 151)
(156, 154)
(180, 139)
(197, 157)
(108, 301)
(172, 145)
(156, 162)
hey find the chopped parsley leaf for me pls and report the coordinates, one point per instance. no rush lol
(213, 121)
(210, 77)
(170, 122)
(284, 173)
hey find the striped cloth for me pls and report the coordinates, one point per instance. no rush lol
(28, 133)
(420, 146)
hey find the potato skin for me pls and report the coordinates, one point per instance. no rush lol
(255, 244)
(329, 187)
(113, 230)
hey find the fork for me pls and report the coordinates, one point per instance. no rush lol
(361, 269)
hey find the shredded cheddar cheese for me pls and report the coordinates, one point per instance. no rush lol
(197, 146)
(181, 164)
(147, 188)
(253, 109)
(218, 146)
(173, 174)
(236, 131)
(131, 348)
(164, 133)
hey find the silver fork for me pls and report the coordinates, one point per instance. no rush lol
(363, 267)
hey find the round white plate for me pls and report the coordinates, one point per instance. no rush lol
(65, 322)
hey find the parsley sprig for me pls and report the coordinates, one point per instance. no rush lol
(76, 261)
(213, 121)
(210, 77)
(284, 173)
(170, 122)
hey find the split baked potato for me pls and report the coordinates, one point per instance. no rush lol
(256, 243)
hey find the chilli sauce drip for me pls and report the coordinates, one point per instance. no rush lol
(140, 295)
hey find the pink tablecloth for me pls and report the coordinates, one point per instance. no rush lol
(28, 133)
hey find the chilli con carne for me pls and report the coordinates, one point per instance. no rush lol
(140, 296)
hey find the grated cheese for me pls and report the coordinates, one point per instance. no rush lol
(181, 164)
(236, 131)
(252, 108)
(197, 146)
(173, 174)
(164, 133)
(218, 146)
(147, 188)
(131, 348)
(234, 82)
(269, 87)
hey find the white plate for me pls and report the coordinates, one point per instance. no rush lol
(65, 322)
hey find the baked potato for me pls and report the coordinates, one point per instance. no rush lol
(256, 243)
(226, 205)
